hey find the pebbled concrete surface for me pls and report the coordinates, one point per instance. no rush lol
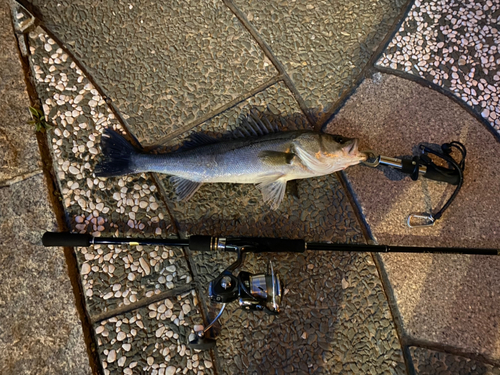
(434, 362)
(152, 339)
(446, 299)
(323, 45)
(453, 45)
(334, 318)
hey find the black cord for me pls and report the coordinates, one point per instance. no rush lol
(460, 167)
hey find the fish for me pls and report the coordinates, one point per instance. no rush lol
(259, 155)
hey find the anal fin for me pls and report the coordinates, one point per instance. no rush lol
(184, 189)
(273, 192)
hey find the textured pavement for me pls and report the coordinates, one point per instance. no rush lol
(159, 73)
(41, 328)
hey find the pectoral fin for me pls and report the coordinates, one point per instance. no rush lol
(184, 189)
(273, 192)
(274, 158)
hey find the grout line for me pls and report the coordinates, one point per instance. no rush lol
(53, 194)
(142, 303)
(217, 111)
(445, 92)
(351, 196)
(394, 309)
(368, 68)
(270, 55)
(19, 178)
(448, 349)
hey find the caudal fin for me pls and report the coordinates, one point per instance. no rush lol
(117, 155)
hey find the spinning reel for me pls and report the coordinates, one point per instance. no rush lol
(255, 292)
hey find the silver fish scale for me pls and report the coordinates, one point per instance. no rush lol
(236, 161)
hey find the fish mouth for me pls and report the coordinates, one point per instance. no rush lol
(353, 148)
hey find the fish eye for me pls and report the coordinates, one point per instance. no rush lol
(338, 138)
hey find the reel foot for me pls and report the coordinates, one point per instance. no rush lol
(202, 343)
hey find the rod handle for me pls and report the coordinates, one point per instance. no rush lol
(201, 243)
(66, 239)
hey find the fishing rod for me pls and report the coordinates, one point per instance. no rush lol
(256, 244)
(254, 292)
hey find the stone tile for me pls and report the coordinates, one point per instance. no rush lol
(453, 45)
(111, 276)
(153, 340)
(434, 362)
(237, 209)
(18, 155)
(164, 65)
(41, 329)
(446, 299)
(322, 45)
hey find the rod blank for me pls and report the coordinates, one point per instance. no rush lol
(256, 245)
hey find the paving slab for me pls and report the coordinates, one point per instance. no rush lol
(41, 328)
(163, 65)
(446, 299)
(323, 46)
(454, 45)
(19, 156)
(434, 362)
(334, 318)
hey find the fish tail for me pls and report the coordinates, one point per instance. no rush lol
(117, 155)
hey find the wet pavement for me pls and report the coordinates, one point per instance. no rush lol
(159, 73)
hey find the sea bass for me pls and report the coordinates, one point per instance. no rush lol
(268, 160)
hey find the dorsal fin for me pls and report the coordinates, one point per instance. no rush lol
(197, 140)
(254, 124)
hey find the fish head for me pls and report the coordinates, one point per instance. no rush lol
(325, 153)
(336, 146)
